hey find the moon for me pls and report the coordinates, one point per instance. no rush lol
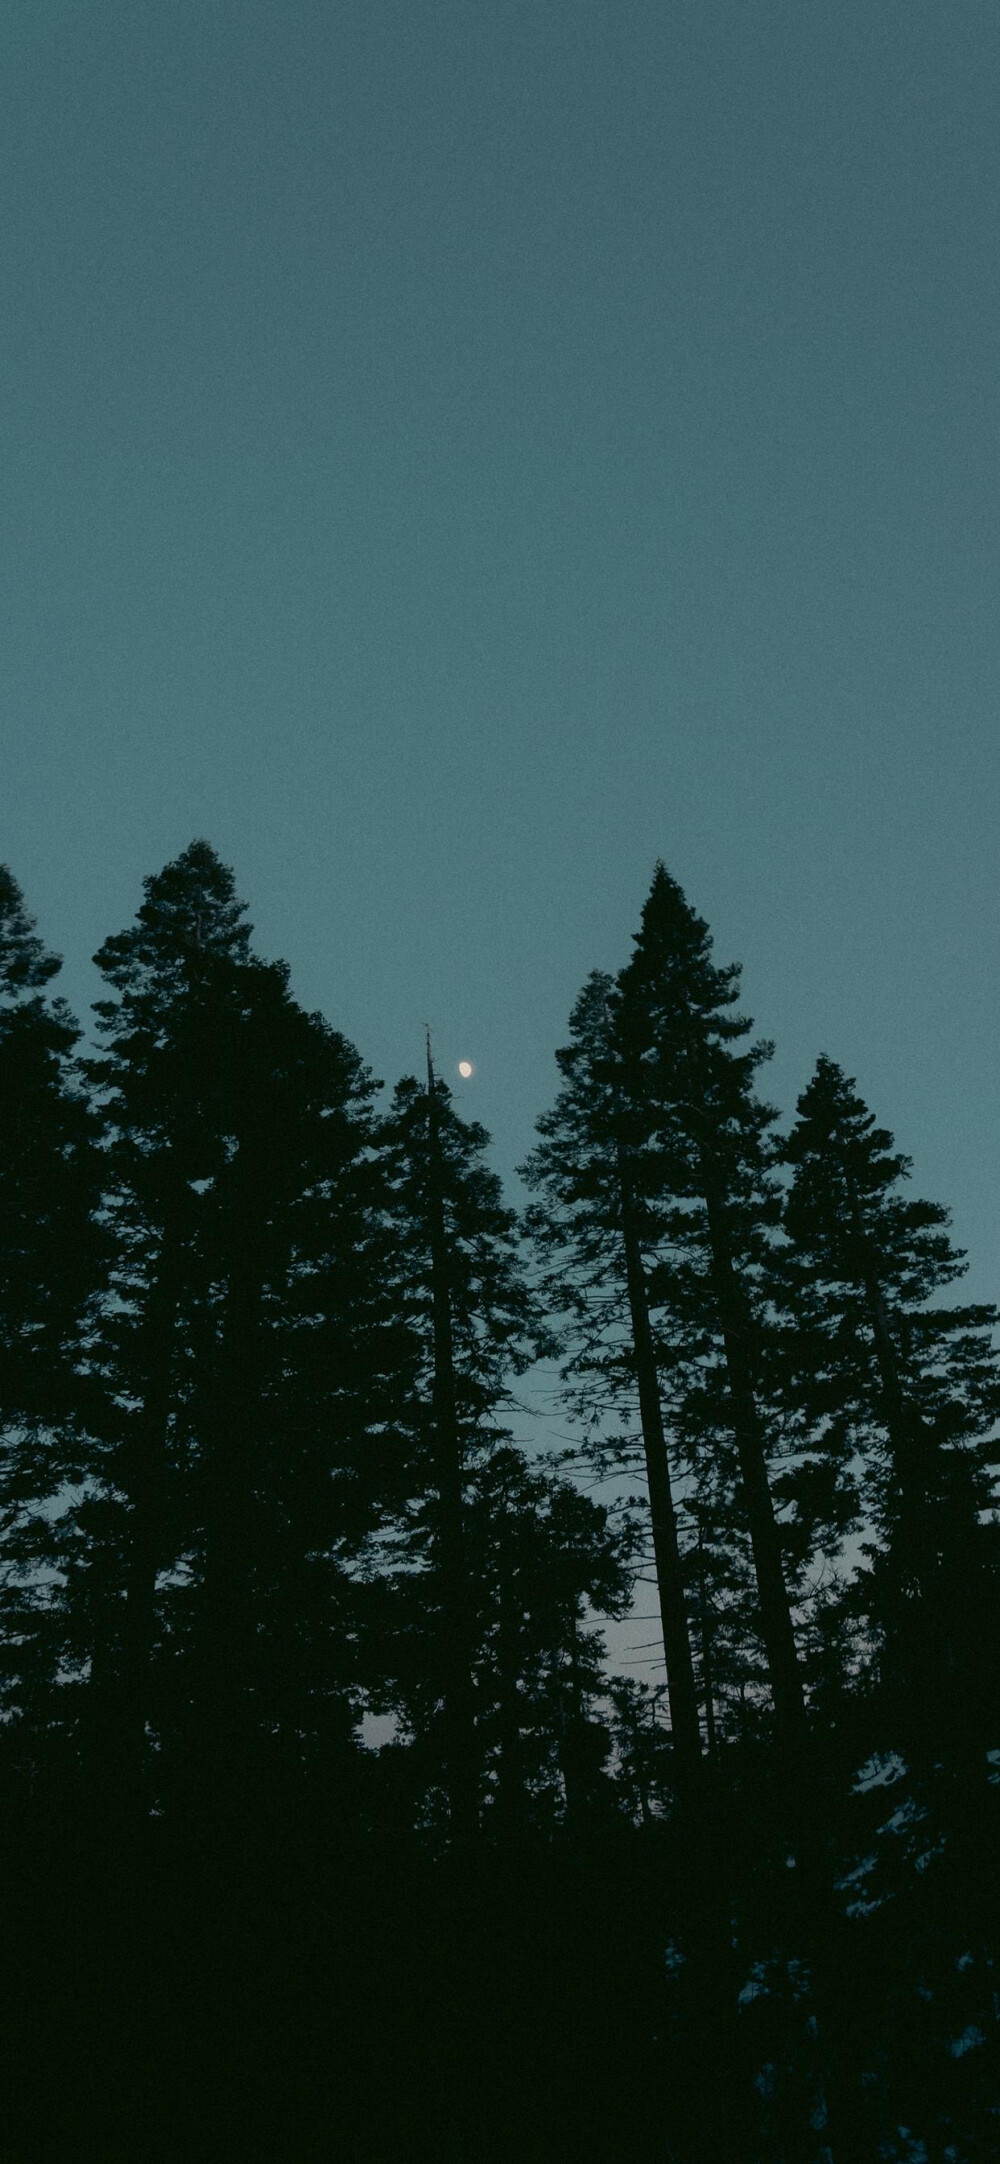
(466, 1068)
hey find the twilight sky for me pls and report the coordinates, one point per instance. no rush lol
(456, 454)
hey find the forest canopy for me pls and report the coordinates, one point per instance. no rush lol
(288, 1601)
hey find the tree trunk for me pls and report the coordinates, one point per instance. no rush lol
(510, 1774)
(128, 1695)
(775, 1610)
(706, 1653)
(456, 1662)
(234, 1415)
(681, 1689)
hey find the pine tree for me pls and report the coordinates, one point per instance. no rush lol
(246, 1349)
(594, 1230)
(304, 1413)
(47, 1174)
(546, 1562)
(907, 1393)
(460, 1286)
(542, 1564)
(708, 1167)
(641, 1744)
(50, 1246)
(161, 1085)
(656, 1172)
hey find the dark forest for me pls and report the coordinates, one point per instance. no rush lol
(330, 1830)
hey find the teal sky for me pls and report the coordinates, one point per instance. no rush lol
(454, 455)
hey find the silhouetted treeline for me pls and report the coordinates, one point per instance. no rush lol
(329, 1828)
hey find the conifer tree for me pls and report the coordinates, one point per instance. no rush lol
(304, 1413)
(50, 1246)
(708, 1167)
(542, 1564)
(460, 1286)
(640, 1738)
(245, 1347)
(594, 1228)
(546, 1561)
(46, 1170)
(161, 1085)
(655, 1167)
(907, 1393)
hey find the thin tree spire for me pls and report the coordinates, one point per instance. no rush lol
(455, 1650)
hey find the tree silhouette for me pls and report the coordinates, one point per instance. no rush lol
(264, 1472)
(50, 1249)
(593, 1229)
(246, 1348)
(908, 1393)
(460, 1284)
(708, 1162)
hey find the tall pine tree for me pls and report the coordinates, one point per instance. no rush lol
(594, 1230)
(50, 1248)
(690, 1078)
(461, 1287)
(246, 1349)
(905, 1390)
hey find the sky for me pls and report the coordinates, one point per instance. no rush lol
(457, 455)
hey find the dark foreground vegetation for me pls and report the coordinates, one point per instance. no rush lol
(327, 1830)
